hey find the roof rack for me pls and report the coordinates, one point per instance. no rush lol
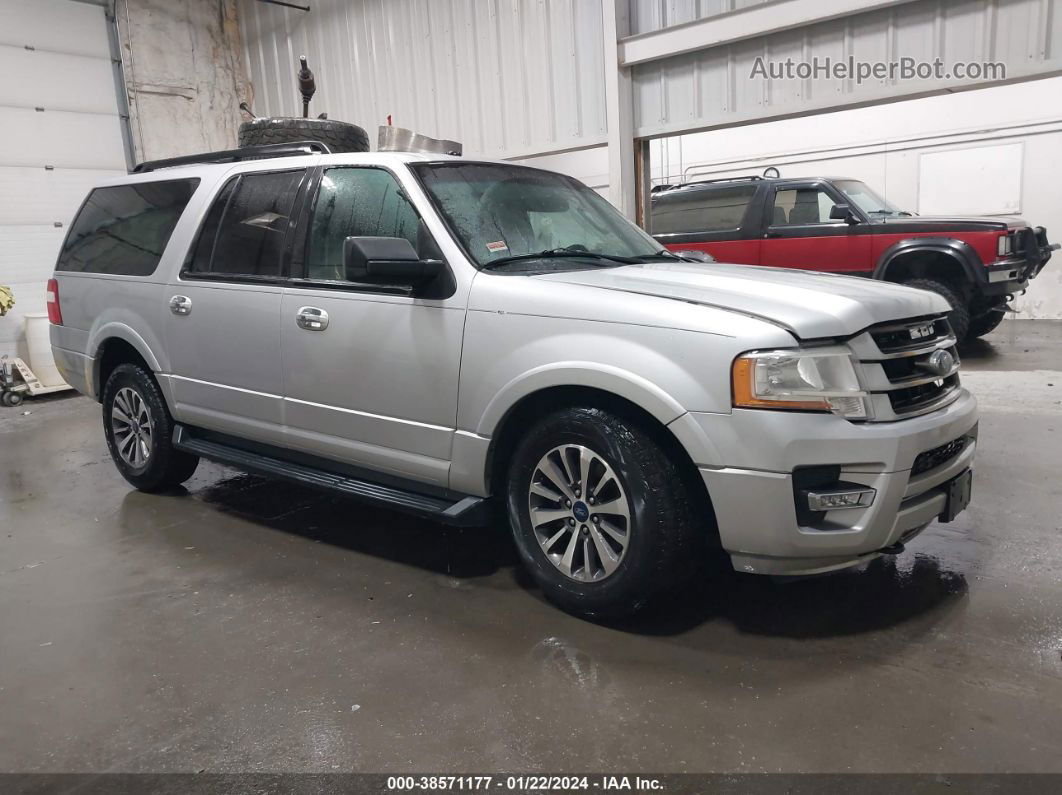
(236, 155)
(748, 178)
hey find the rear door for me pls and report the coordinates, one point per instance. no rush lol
(799, 232)
(718, 219)
(223, 331)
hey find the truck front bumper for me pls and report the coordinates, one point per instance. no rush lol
(756, 504)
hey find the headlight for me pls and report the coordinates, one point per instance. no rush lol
(804, 380)
(1005, 245)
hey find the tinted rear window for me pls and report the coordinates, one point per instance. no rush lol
(124, 229)
(711, 210)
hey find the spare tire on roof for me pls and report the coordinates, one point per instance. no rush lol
(339, 136)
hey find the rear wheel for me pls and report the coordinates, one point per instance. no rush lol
(601, 515)
(959, 317)
(139, 430)
(983, 324)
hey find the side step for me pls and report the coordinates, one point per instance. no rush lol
(465, 512)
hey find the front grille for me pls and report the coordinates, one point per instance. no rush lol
(938, 456)
(904, 367)
(896, 338)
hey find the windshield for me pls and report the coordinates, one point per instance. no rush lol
(860, 194)
(500, 211)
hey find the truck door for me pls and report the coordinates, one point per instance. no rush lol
(370, 371)
(223, 323)
(799, 232)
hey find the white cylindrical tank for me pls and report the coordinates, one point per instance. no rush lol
(40, 350)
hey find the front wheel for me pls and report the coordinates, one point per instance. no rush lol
(139, 430)
(979, 326)
(959, 317)
(602, 517)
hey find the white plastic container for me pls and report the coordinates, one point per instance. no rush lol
(40, 350)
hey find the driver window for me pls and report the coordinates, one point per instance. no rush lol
(800, 206)
(355, 202)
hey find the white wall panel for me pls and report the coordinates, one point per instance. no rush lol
(59, 81)
(507, 78)
(54, 26)
(55, 56)
(713, 88)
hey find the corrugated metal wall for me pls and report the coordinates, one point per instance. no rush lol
(713, 87)
(649, 15)
(505, 77)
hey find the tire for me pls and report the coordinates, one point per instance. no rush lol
(659, 553)
(14, 399)
(959, 317)
(337, 135)
(145, 455)
(979, 326)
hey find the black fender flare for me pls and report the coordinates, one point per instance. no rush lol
(959, 250)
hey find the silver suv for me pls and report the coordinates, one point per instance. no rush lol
(437, 334)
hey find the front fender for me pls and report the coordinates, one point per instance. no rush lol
(959, 250)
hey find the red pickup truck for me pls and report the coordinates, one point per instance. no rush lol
(842, 226)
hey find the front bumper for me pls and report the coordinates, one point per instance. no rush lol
(754, 498)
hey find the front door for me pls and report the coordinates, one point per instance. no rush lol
(223, 325)
(370, 372)
(800, 233)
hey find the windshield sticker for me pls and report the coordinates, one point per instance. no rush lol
(496, 246)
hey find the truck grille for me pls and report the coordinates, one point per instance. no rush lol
(905, 372)
(938, 456)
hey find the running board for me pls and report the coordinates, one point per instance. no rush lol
(465, 512)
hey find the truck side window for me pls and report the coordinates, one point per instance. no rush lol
(695, 210)
(800, 206)
(355, 202)
(124, 229)
(243, 234)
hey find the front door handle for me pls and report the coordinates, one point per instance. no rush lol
(181, 305)
(311, 318)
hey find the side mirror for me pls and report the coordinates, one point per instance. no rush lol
(696, 256)
(843, 212)
(387, 260)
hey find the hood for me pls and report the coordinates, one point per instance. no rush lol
(969, 223)
(807, 303)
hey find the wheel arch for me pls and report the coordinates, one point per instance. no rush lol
(940, 258)
(546, 400)
(119, 344)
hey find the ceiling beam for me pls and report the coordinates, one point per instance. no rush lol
(735, 26)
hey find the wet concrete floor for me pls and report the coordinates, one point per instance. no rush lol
(248, 624)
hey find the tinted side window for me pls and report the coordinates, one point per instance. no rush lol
(243, 234)
(124, 229)
(798, 206)
(355, 202)
(711, 210)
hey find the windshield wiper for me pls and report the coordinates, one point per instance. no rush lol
(565, 253)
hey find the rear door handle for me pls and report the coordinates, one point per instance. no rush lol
(311, 318)
(181, 305)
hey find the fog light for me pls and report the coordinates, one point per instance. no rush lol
(836, 500)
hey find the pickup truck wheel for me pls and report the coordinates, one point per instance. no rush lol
(983, 324)
(601, 516)
(139, 429)
(959, 317)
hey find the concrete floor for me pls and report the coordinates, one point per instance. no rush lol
(251, 625)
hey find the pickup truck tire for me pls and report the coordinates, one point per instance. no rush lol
(983, 324)
(959, 317)
(339, 136)
(649, 550)
(139, 430)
